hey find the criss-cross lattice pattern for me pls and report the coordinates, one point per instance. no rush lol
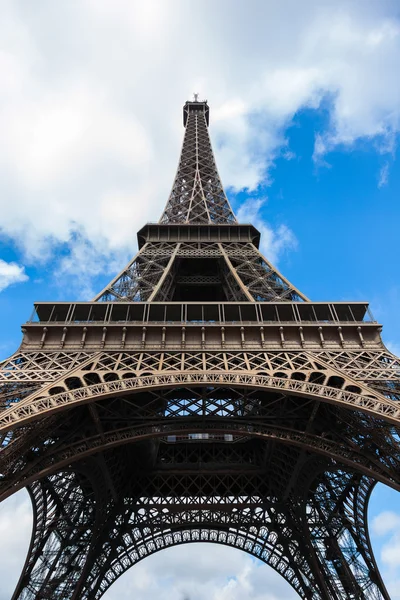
(251, 438)
(65, 518)
(179, 413)
(140, 277)
(237, 267)
(197, 194)
(312, 540)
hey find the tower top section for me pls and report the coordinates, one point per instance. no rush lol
(198, 251)
(197, 195)
(196, 105)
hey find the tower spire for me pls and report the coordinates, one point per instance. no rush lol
(198, 250)
(197, 194)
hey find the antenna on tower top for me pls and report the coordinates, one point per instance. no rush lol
(196, 97)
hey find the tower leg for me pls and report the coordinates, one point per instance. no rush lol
(67, 515)
(337, 524)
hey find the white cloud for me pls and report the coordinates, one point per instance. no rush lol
(390, 554)
(385, 522)
(273, 242)
(90, 108)
(386, 526)
(82, 263)
(383, 175)
(15, 534)
(394, 347)
(11, 273)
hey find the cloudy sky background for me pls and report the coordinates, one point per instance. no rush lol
(304, 103)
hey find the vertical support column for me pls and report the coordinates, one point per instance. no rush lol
(336, 511)
(67, 515)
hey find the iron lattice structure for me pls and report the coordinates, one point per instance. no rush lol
(200, 397)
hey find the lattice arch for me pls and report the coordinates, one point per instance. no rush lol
(59, 397)
(217, 412)
(261, 544)
(253, 523)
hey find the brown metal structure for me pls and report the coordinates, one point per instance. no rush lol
(200, 397)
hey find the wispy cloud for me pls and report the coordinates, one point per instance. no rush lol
(274, 242)
(386, 528)
(10, 273)
(387, 524)
(15, 530)
(83, 261)
(383, 175)
(394, 347)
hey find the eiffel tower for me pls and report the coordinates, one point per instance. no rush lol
(200, 397)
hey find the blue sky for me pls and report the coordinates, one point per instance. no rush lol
(304, 123)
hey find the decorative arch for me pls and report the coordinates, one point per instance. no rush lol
(262, 544)
(47, 401)
(135, 529)
(222, 424)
